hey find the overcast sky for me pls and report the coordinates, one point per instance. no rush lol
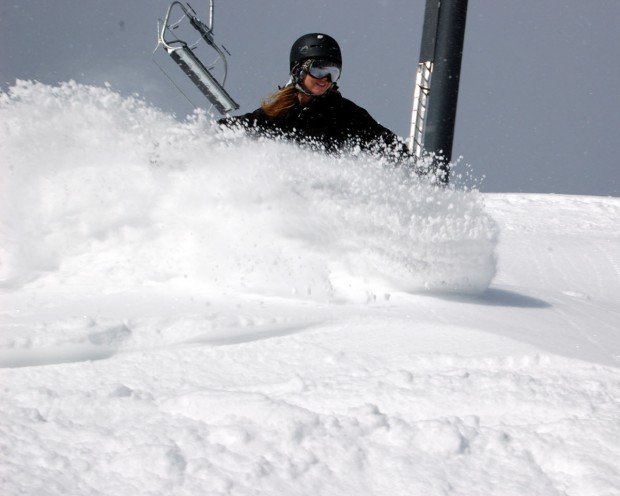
(539, 106)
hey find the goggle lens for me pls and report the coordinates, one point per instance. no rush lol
(321, 69)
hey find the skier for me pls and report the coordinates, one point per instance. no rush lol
(310, 110)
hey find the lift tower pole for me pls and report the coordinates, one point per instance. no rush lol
(437, 83)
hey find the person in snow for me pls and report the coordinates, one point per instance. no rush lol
(311, 111)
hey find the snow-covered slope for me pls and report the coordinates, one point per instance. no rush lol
(189, 312)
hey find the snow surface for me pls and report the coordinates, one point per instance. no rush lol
(187, 311)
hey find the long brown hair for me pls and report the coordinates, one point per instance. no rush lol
(282, 100)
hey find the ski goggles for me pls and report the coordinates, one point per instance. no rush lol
(320, 69)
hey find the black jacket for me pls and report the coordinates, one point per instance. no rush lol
(330, 123)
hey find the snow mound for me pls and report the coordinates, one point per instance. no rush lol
(149, 342)
(106, 192)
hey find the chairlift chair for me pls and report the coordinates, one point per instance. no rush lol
(183, 54)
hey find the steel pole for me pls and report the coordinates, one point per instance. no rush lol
(441, 52)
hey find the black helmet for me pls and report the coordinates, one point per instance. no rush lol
(315, 46)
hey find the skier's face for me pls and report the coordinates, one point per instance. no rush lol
(316, 86)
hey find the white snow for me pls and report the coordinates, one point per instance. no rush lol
(187, 311)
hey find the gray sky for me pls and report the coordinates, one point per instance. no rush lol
(539, 106)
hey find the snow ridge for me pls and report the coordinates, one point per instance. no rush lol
(186, 311)
(110, 190)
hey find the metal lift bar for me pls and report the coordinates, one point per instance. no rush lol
(420, 106)
(203, 79)
(183, 55)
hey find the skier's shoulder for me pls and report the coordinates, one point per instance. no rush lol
(352, 109)
(359, 118)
